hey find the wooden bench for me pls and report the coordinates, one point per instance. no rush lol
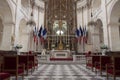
(91, 61)
(3, 75)
(101, 65)
(11, 66)
(113, 68)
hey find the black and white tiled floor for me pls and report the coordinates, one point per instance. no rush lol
(64, 72)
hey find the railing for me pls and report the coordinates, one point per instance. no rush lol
(43, 58)
(79, 58)
(76, 58)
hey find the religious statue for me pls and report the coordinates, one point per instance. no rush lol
(43, 52)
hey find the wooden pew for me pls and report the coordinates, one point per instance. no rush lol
(113, 69)
(3, 75)
(91, 61)
(24, 59)
(101, 65)
(33, 59)
(11, 65)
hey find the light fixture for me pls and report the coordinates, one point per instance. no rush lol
(31, 22)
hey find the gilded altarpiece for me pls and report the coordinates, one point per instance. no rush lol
(60, 20)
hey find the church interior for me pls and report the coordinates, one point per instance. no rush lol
(59, 39)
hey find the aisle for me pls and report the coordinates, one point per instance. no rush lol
(63, 72)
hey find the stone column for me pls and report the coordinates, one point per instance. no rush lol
(105, 22)
(114, 36)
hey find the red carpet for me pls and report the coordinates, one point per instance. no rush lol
(61, 59)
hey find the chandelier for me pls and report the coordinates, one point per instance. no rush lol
(31, 22)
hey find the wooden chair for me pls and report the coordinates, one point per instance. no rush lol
(11, 65)
(101, 65)
(113, 69)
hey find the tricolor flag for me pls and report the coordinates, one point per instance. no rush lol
(77, 34)
(81, 34)
(44, 33)
(35, 34)
(85, 35)
(40, 31)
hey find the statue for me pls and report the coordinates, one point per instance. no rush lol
(43, 52)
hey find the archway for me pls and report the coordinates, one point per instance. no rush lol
(99, 26)
(6, 22)
(114, 27)
(97, 35)
(23, 35)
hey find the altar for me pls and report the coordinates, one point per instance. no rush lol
(60, 54)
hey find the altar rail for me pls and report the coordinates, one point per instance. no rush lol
(76, 58)
(43, 58)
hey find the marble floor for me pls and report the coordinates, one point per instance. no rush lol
(63, 72)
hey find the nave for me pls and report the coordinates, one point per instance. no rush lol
(61, 71)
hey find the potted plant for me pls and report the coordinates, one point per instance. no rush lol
(104, 48)
(17, 47)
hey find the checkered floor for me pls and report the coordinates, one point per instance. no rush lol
(64, 72)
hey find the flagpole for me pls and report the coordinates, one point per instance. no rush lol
(83, 40)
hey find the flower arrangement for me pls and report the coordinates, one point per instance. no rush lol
(104, 47)
(18, 46)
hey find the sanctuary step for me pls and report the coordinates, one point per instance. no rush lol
(61, 59)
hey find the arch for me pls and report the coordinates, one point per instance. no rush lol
(114, 25)
(6, 15)
(23, 35)
(111, 8)
(115, 12)
(6, 11)
(12, 10)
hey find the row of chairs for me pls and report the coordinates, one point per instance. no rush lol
(17, 65)
(109, 64)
